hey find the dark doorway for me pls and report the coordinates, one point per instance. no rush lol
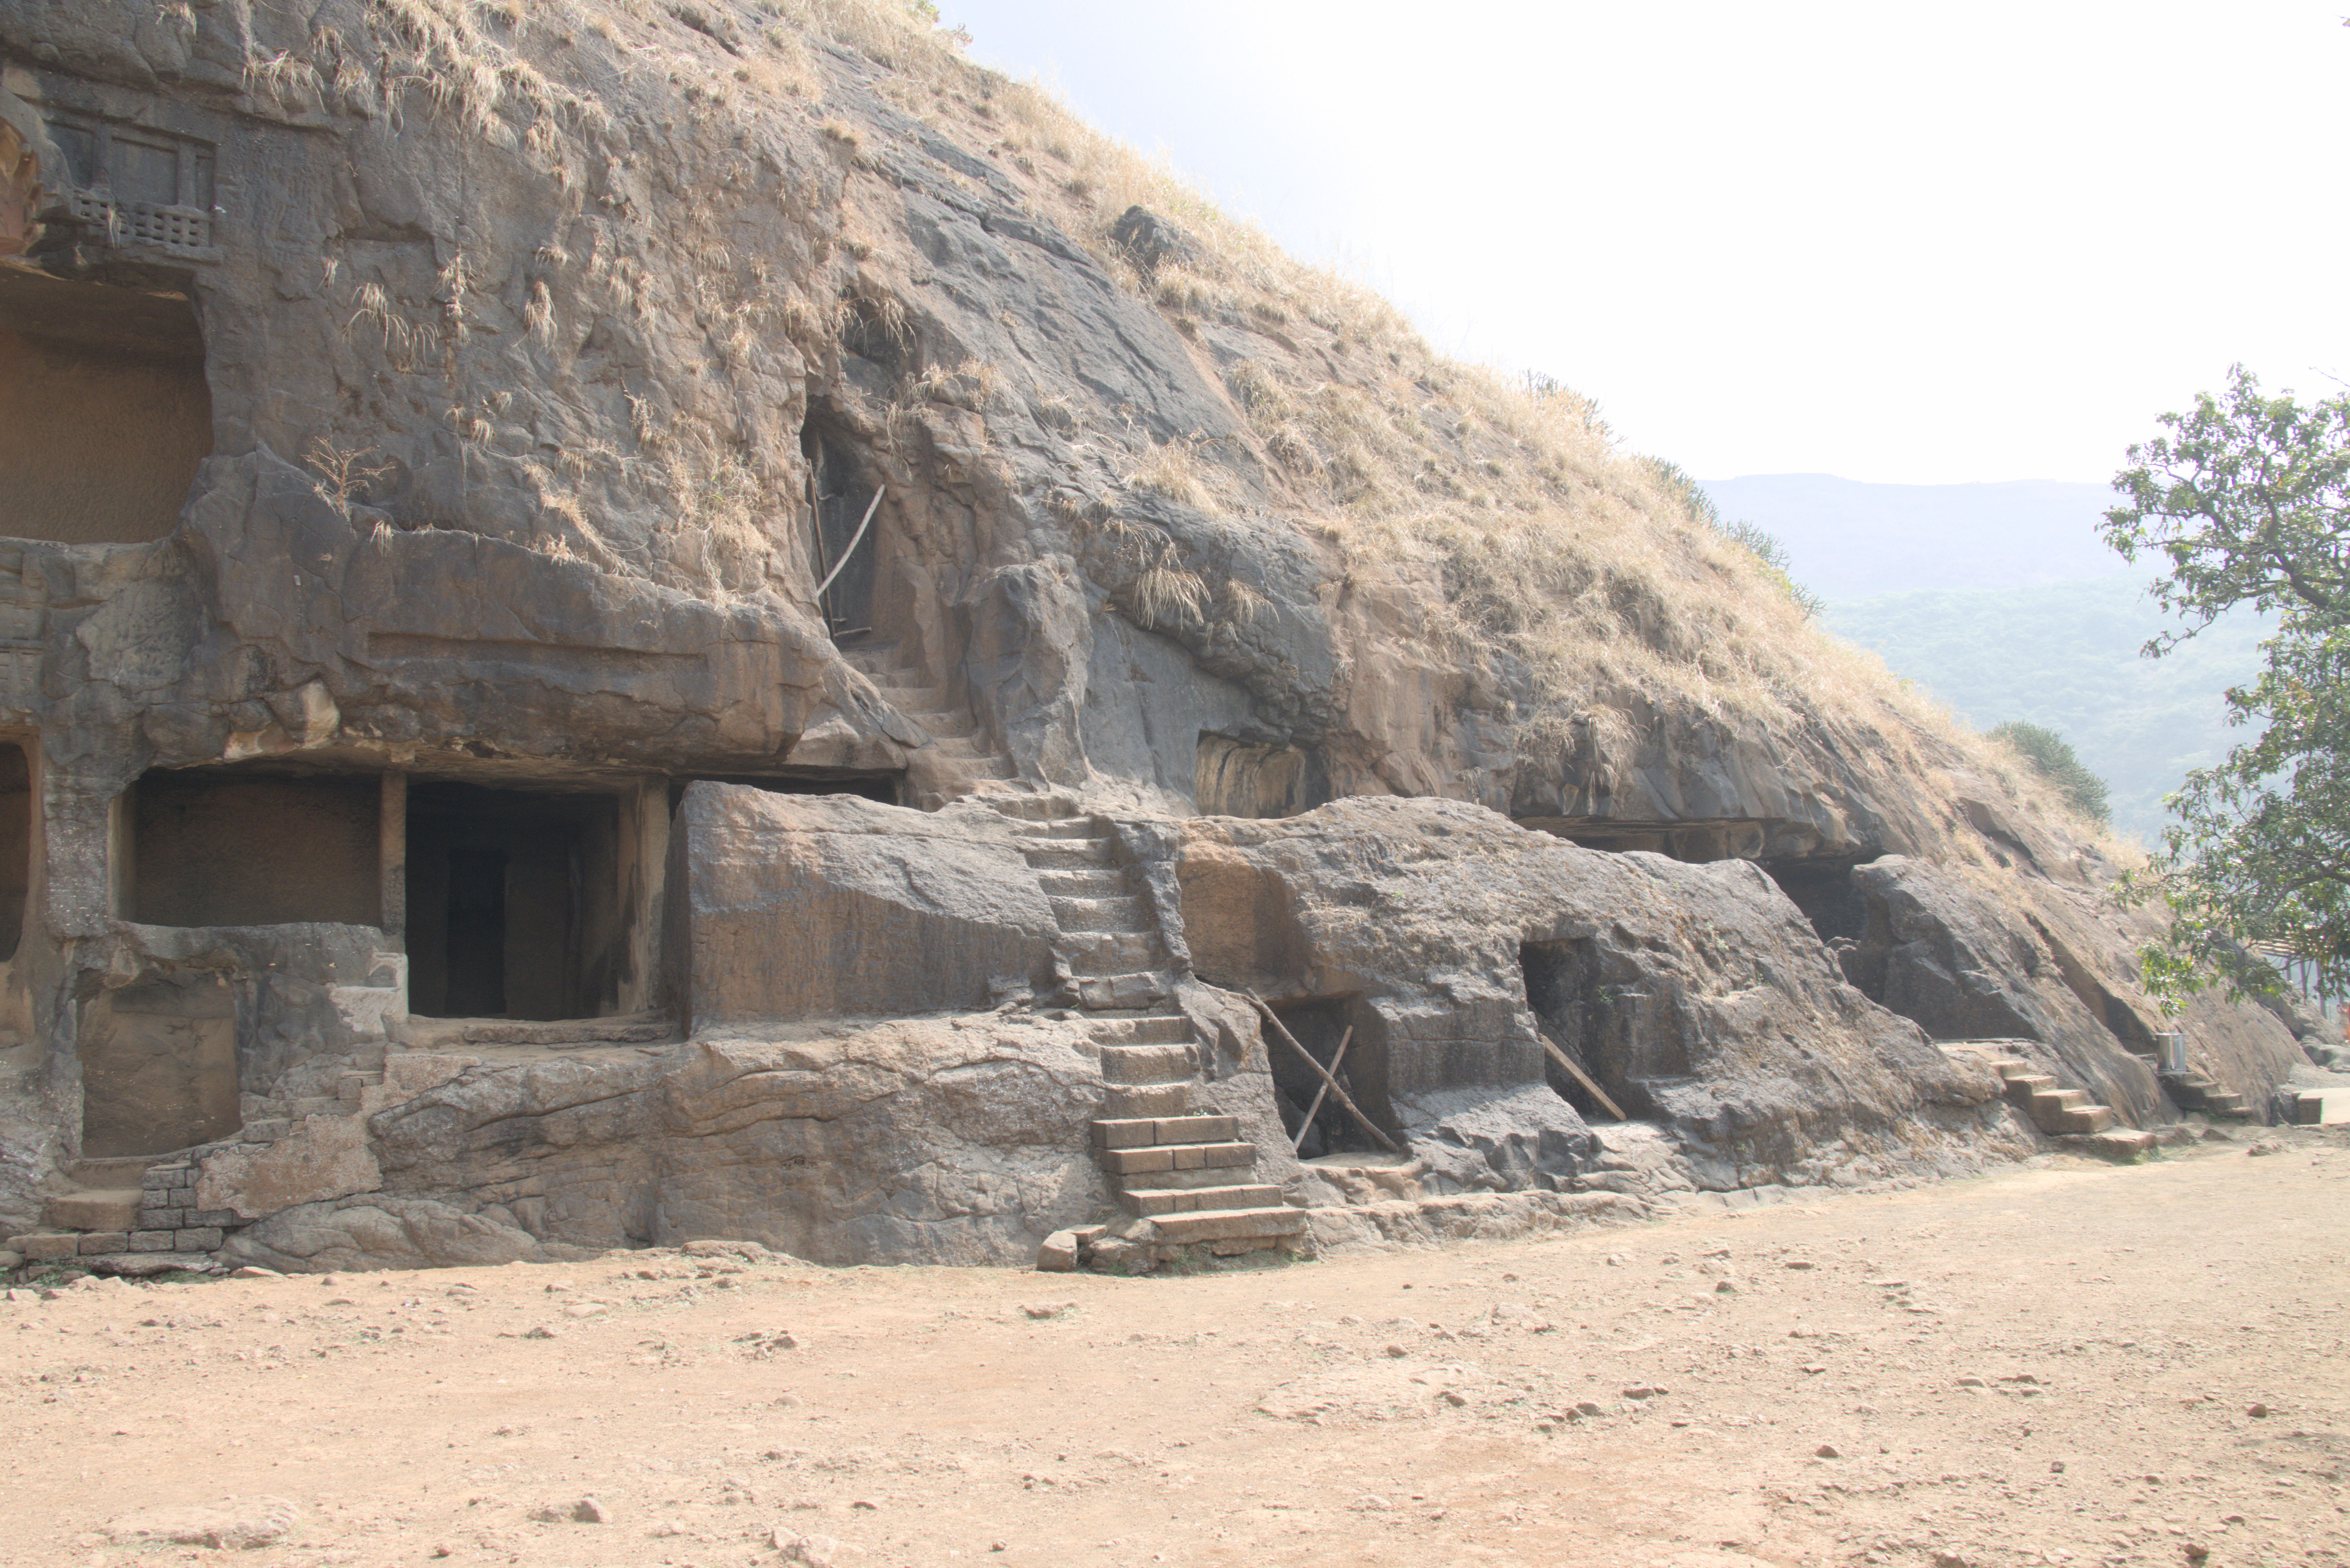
(16, 846)
(1822, 890)
(513, 902)
(1619, 1036)
(1320, 1024)
(840, 492)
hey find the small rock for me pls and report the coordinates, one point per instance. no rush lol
(1800, 1264)
(1724, 1288)
(589, 1511)
(1057, 1254)
(10, 1259)
(1642, 1391)
(1589, 1407)
(235, 1525)
(790, 1401)
(665, 1529)
(2257, 1410)
(1972, 1382)
(1455, 1400)
(255, 1272)
(1826, 1451)
(2265, 1146)
(2056, 1467)
(1045, 1309)
(585, 1310)
(1398, 1351)
(2197, 1551)
(999, 1546)
(816, 1551)
(541, 1331)
(1951, 1559)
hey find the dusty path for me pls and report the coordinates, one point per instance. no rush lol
(2048, 1365)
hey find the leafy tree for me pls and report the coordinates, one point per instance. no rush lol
(2247, 499)
(2051, 758)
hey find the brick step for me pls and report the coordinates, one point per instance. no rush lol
(1113, 952)
(99, 1209)
(1149, 1132)
(1124, 914)
(1070, 854)
(1151, 1029)
(1228, 1224)
(1148, 1063)
(1157, 1200)
(1127, 1102)
(1121, 992)
(1086, 882)
(1156, 1159)
(2079, 1119)
(1201, 1176)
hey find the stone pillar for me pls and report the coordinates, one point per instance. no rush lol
(391, 837)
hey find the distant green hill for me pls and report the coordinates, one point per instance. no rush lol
(2066, 656)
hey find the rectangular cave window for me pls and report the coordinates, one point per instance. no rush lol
(104, 410)
(16, 846)
(254, 849)
(1614, 1034)
(514, 907)
(1319, 1023)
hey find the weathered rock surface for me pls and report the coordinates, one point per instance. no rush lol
(1967, 957)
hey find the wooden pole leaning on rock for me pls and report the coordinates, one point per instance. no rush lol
(1328, 1082)
(1579, 1075)
(1315, 1108)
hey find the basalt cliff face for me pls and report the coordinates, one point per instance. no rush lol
(471, 471)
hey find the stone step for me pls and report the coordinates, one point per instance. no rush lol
(1151, 1132)
(119, 1170)
(972, 770)
(1157, 1200)
(1070, 854)
(1228, 1224)
(2220, 1104)
(1123, 913)
(870, 657)
(1061, 827)
(94, 1209)
(2047, 1102)
(2121, 1143)
(1031, 807)
(963, 747)
(946, 726)
(1157, 1161)
(1201, 1176)
(1088, 882)
(1112, 952)
(2031, 1083)
(1134, 1101)
(2079, 1119)
(1121, 992)
(2010, 1066)
(1151, 1029)
(1167, 1063)
(46, 1246)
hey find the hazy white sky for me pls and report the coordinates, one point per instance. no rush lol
(1898, 242)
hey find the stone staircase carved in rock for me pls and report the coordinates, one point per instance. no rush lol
(1185, 1179)
(2065, 1114)
(2193, 1090)
(951, 764)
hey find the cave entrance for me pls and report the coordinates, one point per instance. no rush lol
(15, 847)
(841, 490)
(514, 908)
(1319, 1023)
(1243, 778)
(1598, 1027)
(1823, 891)
(104, 412)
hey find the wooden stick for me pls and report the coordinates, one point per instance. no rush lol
(859, 538)
(1315, 1109)
(1579, 1075)
(1345, 1099)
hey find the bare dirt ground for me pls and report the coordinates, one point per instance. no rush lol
(2061, 1365)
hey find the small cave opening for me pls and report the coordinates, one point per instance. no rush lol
(1234, 777)
(1322, 1024)
(16, 846)
(104, 412)
(514, 907)
(248, 848)
(1602, 1045)
(841, 489)
(1824, 891)
(159, 1069)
